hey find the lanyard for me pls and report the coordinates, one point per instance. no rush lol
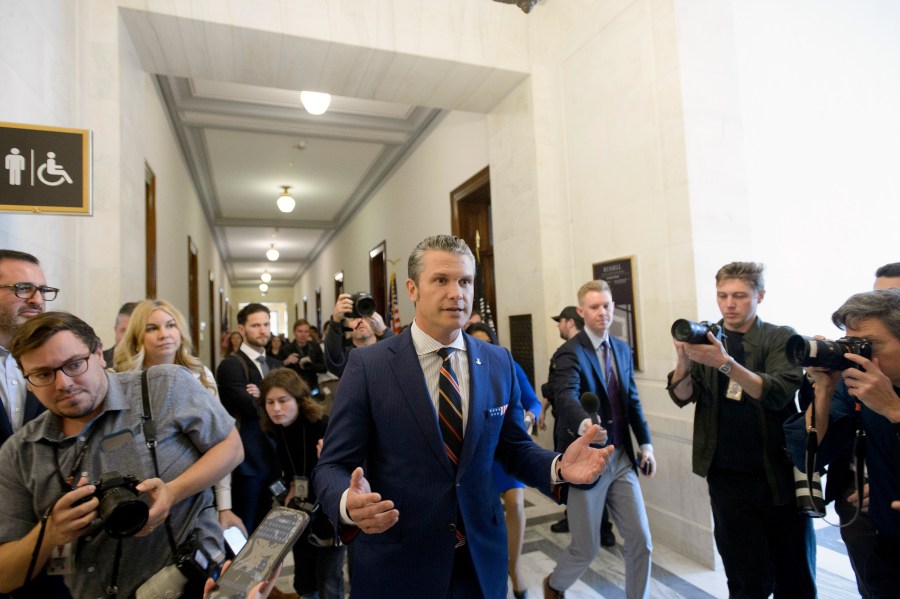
(69, 483)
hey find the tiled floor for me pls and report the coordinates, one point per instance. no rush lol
(674, 576)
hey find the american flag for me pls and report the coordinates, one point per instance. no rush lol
(393, 307)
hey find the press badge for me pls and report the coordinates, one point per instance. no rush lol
(301, 487)
(734, 391)
(61, 560)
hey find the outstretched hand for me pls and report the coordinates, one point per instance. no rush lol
(582, 464)
(367, 510)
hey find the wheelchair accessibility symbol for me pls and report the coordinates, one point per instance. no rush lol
(52, 169)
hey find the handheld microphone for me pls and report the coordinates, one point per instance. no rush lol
(590, 403)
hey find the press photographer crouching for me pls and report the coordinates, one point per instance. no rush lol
(120, 431)
(857, 400)
(297, 424)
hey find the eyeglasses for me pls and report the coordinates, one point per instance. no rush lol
(72, 368)
(27, 291)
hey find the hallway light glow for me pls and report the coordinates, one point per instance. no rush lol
(285, 202)
(263, 287)
(265, 277)
(315, 103)
(272, 254)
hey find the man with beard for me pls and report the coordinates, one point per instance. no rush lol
(238, 377)
(23, 291)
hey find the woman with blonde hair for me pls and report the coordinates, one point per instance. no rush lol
(157, 334)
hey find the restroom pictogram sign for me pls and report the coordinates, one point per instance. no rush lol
(45, 169)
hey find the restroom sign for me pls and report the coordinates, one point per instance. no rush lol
(45, 169)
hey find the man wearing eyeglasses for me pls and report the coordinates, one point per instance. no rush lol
(96, 428)
(23, 292)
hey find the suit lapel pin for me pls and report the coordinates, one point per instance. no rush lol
(478, 361)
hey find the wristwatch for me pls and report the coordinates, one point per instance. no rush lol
(726, 367)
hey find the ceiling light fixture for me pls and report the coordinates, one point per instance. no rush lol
(272, 254)
(285, 202)
(266, 277)
(315, 103)
(263, 287)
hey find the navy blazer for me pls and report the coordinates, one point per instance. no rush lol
(384, 420)
(232, 377)
(578, 371)
(33, 408)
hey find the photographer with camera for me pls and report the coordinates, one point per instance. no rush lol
(297, 423)
(737, 375)
(858, 398)
(120, 430)
(354, 314)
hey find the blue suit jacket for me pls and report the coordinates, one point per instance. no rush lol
(578, 371)
(32, 409)
(384, 420)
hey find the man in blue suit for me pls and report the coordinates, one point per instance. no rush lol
(425, 412)
(594, 361)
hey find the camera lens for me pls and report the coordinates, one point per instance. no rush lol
(806, 351)
(122, 512)
(688, 331)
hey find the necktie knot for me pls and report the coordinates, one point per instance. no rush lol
(446, 352)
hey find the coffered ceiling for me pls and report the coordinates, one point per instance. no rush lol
(233, 95)
(243, 143)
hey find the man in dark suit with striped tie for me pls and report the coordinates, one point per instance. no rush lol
(425, 412)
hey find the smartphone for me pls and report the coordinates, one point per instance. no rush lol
(235, 538)
(266, 548)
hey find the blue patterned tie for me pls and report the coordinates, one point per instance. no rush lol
(612, 393)
(450, 408)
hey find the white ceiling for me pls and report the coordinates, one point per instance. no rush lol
(233, 96)
(243, 143)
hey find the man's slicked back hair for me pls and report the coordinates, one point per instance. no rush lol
(440, 243)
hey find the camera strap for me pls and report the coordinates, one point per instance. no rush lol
(149, 428)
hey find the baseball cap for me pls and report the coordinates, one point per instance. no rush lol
(568, 312)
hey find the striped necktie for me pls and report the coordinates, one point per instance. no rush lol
(450, 408)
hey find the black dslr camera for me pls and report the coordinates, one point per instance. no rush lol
(692, 332)
(363, 305)
(122, 512)
(806, 351)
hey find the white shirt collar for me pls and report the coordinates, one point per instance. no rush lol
(596, 341)
(426, 344)
(251, 353)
